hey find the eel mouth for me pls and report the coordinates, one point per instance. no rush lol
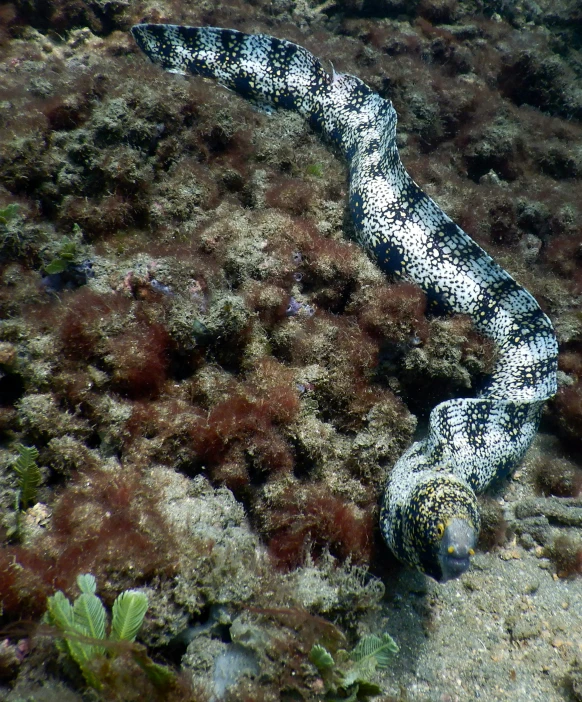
(457, 547)
(453, 566)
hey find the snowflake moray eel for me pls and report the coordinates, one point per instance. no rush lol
(429, 516)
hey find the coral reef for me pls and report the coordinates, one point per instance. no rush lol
(216, 379)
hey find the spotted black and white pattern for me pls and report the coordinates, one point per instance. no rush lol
(429, 515)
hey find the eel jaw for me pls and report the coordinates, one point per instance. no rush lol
(456, 548)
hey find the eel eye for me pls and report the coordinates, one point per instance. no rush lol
(440, 530)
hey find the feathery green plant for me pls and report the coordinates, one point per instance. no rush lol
(83, 625)
(29, 476)
(347, 677)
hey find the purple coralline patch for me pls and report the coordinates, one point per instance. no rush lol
(293, 308)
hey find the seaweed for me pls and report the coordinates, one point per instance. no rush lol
(347, 677)
(83, 627)
(8, 212)
(29, 476)
(64, 258)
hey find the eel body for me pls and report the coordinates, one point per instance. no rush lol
(429, 515)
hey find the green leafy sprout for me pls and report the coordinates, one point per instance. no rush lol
(29, 475)
(347, 677)
(83, 627)
(8, 213)
(314, 169)
(68, 253)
